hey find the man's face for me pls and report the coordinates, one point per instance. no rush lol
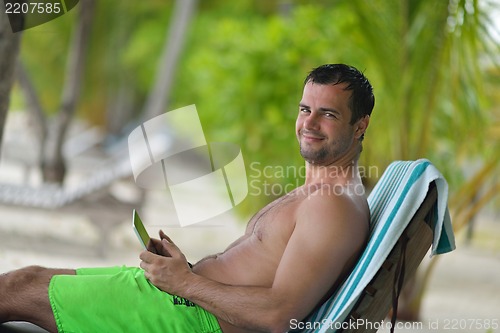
(323, 125)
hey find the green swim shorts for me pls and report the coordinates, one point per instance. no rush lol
(121, 299)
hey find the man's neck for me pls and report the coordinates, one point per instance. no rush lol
(341, 173)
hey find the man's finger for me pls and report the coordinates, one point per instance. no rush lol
(143, 265)
(146, 256)
(164, 236)
(171, 248)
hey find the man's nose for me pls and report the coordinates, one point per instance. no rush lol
(312, 121)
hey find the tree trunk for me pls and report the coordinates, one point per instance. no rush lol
(53, 164)
(33, 106)
(158, 99)
(9, 50)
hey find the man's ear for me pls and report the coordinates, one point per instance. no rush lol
(361, 126)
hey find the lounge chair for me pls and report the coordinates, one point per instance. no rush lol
(409, 213)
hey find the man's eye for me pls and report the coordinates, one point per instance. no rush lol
(330, 115)
(304, 110)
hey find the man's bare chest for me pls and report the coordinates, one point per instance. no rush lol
(276, 221)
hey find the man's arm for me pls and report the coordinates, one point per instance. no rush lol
(327, 234)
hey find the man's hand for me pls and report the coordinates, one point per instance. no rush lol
(168, 270)
(156, 247)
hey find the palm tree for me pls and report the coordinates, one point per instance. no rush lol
(431, 62)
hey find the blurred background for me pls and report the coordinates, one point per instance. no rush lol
(72, 89)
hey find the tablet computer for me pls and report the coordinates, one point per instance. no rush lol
(139, 229)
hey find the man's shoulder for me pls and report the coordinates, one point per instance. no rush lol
(327, 197)
(331, 205)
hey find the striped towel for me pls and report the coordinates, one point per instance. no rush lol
(393, 202)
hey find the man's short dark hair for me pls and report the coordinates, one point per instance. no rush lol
(362, 99)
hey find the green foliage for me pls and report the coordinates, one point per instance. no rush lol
(244, 63)
(127, 39)
(245, 74)
(429, 84)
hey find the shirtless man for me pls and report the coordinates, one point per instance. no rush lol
(292, 256)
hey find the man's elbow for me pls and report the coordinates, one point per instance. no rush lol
(278, 321)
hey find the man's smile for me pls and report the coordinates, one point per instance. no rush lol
(311, 136)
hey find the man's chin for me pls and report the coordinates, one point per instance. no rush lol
(314, 158)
